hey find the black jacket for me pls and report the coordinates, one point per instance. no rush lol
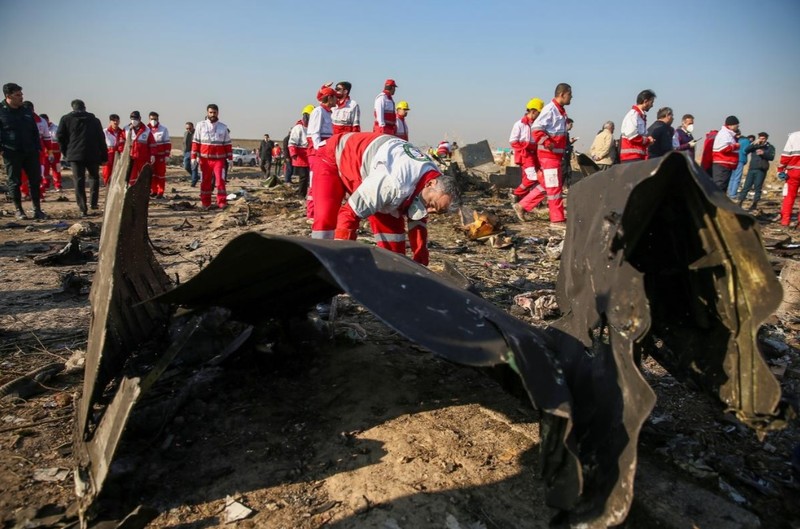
(265, 149)
(760, 161)
(80, 136)
(18, 131)
(662, 134)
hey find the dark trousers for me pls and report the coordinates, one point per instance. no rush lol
(721, 176)
(15, 163)
(79, 170)
(302, 179)
(755, 178)
(289, 171)
(266, 163)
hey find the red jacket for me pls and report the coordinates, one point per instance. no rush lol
(633, 136)
(726, 149)
(143, 145)
(708, 147)
(212, 140)
(524, 147)
(550, 132)
(115, 139)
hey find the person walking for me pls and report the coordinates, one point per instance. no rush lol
(602, 145)
(550, 132)
(789, 172)
(761, 154)
(384, 111)
(524, 148)
(298, 150)
(634, 139)
(52, 167)
(115, 143)
(736, 175)
(82, 142)
(188, 135)
(20, 145)
(346, 115)
(725, 155)
(265, 155)
(160, 134)
(212, 151)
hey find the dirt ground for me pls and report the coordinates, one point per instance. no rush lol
(367, 430)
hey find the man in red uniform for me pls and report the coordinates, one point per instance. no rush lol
(383, 111)
(725, 156)
(213, 151)
(52, 166)
(143, 147)
(115, 143)
(633, 131)
(298, 150)
(389, 181)
(163, 149)
(789, 171)
(402, 126)
(521, 140)
(550, 133)
(346, 115)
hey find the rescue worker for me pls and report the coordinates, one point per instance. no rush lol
(633, 131)
(389, 181)
(52, 167)
(212, 151)
(143, 147)
(402, 127)
(707, 156)
(346, 115)
(384, 112)
(789, 171)
(115, 143)
(524, 148)
(444, 150)
(725, 155)
(45, 154)
(318, 130)
(550, 133)
(163, 150)
(298, 150)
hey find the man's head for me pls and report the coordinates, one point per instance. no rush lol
(646, 99)
(13, 94)
(686, 121)
(327, 96)
(440, 194)
(266, 137)
(534, 107)
(113, 121)
(189, 126)
(136, 118)
(78, 105)
(343, 90)
(212, 112)
(153, 117)
(665, 115)
(763, 137)
(609, 125)
(390, 86)
(563, 94)
(732, 122)
(45, 117)
(402, 109)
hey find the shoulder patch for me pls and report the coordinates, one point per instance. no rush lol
(415, 153)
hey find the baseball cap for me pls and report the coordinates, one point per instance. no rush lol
(390, 82)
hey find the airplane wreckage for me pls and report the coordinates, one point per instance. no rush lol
(656, 261)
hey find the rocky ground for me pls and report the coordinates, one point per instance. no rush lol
(366, 430)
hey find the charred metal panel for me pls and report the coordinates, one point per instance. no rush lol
(127, 274)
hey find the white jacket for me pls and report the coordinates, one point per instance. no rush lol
(320, 127)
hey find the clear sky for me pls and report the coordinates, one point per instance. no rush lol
(466, 68)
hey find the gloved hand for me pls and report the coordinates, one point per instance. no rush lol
(782, 176)
(152, 160)
(194, 163)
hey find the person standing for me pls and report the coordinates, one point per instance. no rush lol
(212, 151)
(319, 129)
(265, 155)
(524, 148)
(163, 150)
(115, 143)
(662, 133)
(45, 153)
(20, 145)
(633, 131)
(143, 147)
(346, 115)
(52, 166)
(402, 126)
(288, 170)
(725, 156)
(736, 175)
(761, 154)
(298, 150)
(188, 134)
(603, 144)
(384, 112)
(80, 135)
(789, 171)
(550, 132)
(683, 139)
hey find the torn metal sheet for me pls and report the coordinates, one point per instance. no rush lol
(653, 251)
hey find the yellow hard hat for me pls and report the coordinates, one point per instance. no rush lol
(308, 109)
(535, 103)
(403, 105)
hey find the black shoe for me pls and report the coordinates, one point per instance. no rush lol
(152, 195)
(21, 215)
(39, 215)
(753, 206)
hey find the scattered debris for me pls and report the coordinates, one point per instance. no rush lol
(71, 254)
(542, 304)
(51, 474)
(84, 229)
(235, 510)
(482, 226)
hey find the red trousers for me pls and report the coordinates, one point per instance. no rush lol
(534, 195)
(136, 166)
(530, 178)
(791, 187)
(213, 171)
(159, 180)
(312, 160)
(554, 185)
(108, 168)
(52, 171)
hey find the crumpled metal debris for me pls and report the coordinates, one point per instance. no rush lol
(479, 225)
(653, 254)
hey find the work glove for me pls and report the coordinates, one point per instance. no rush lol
(782, 176)
(194, 164)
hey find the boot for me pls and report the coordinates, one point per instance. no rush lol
(753, 206)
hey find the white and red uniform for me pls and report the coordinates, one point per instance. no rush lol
(319, 129)
(143, 149)
(521, 140)
(163, 149)
(402, 128)
(45, 146)
(52, 169)
(443, 150)
(211, 145)
(790, 164)
(384, 114)
(298, 144)
(726, 149)
(115, 143)
(384, 176)
(346, 117)
(550, 134)
(633, 136)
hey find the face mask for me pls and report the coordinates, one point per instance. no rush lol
(153, 122)
(689, 128)
(135, 122)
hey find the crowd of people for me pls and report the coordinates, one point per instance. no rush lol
(346, 174)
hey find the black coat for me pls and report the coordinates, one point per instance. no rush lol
(18, 131)
(265, 149)
(80, 136)
(662, 134)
